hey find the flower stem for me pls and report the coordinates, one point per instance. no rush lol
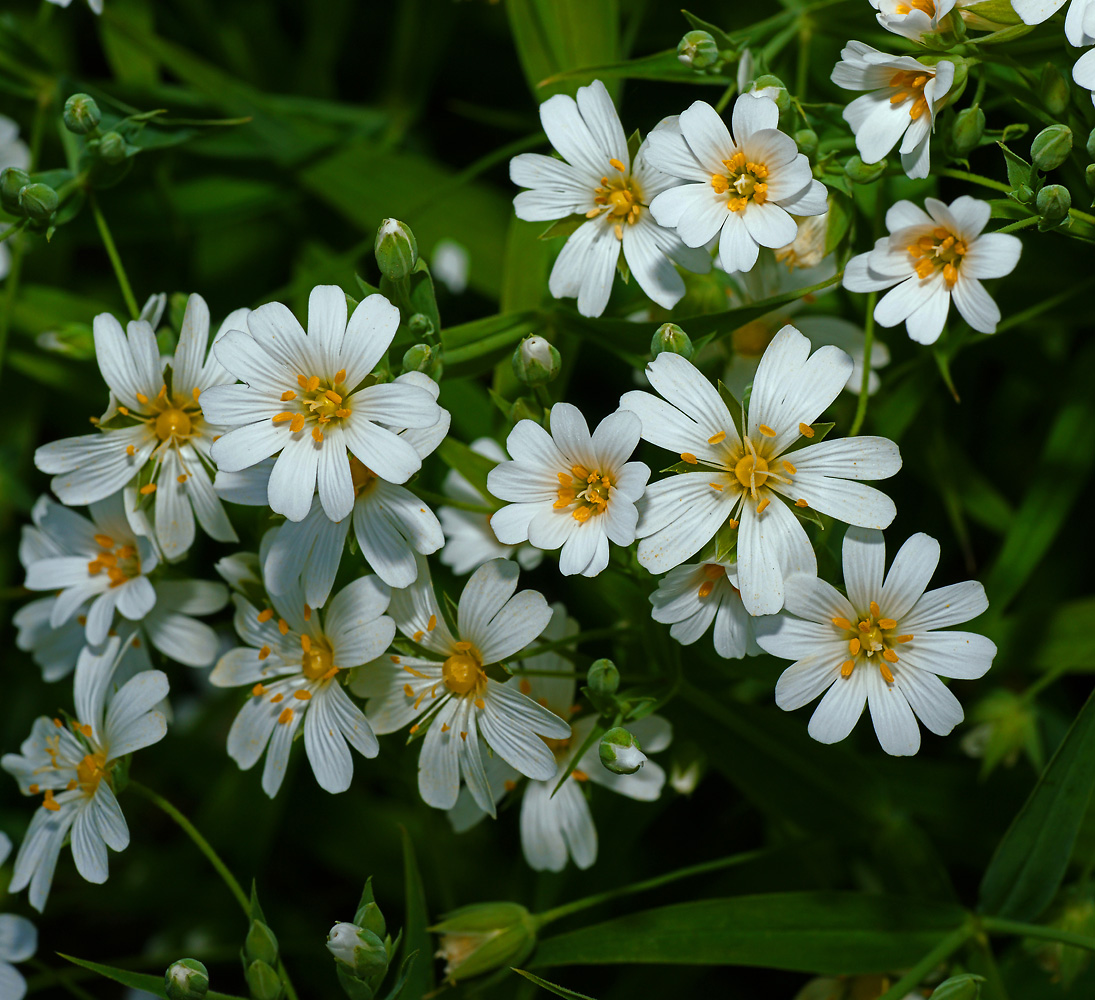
(964, 175)
(1021, 224)
(214, 859)
(997, 925)
(651, 883)
(868, 344)
(115, 260)
(941, 952)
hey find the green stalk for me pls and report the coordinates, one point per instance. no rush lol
(868, 344)
(115, 260)
(940, 953)
(998, 925)
(1011, 227)
(965, 175)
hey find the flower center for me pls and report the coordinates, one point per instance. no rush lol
(619, 199)
(320, 402)
(317, 662)
(871, 635)
(361, 476)
(910, 86)
(588, 490)
(752, 471)
(173, 423)
(745, 182)
(938, 250)
(119, 562)
(927, 6)
(463, 671)
(90, 771)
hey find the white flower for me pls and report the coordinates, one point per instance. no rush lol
(150, 421)
(450, 264)
(101, 566)
(13, 153)
(293, 659)
(751, 484)
(469, 538)
(904, 97)
(597, 179)
(95, 5)
(913, 19)
(18, 942)
(452, 692)
(390, 523)
(1084, 72)
(933, 257)
(1079, 21)
(848, 646)
(692, 596)
(569, 490)
(560, 825)
(74, 770)
(743, 186)
(310, 399)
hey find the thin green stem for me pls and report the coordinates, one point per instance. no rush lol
(1085, 216)
(864, 386)
(589, 635)
(729, 92)
(1011, 227)
(965, 175)
(651, 883)
(115, 260)
(940, 953)
(443, 501)
(997, 925)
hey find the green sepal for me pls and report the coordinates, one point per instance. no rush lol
(726, 543)
(563, 227)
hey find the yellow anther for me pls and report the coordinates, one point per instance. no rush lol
(720, 183)
(731, 523)
(766, 431)
(287, 395)
(617, 164)
(283, 626)
(312, 384)
(147, 489)
(302, 695)
(687, 456)
(887, 623)
(317, 435)
(286, 716)
(258, 690)
(801, 503)
(142, 398)
(280, 418)
(853, 647)
(265, 615)
(889, 654)
(717, 487)
(887, 674)
(432, 623)
(104, 541)
(306, 643)
(762, 505)
(296, 425)
(875, 609)
(340, 376)
(903, 638)
(130, 450)
(717, 438)
(49, 803)
(846, 668)
(789, 467)
(806, 430)
(706, 587)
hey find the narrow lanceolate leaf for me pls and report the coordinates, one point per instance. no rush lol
(475, 347)
(417, 978)
(663, 66)
(826, 933)
(559, 991)
(1031, 860)
(138, 980)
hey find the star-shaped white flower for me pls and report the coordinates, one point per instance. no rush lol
(749, 480)
(913, 19)
(742, 188)
(73, 768)
(294, 661)
(18, 942)
(1079, 21)
(310, 398)
(597, 179)
(881, 645)
(693, 596)
(150, 420)
(935, 257)
(466, 710)
(904, 97)
(570, 490)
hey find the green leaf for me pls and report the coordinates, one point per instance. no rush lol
(138, 980)
(1018, 168)
(840, 218)
(1032, 858)
(564, 227)
(470, 464)
(1068, 641)
(417, 976)
(664, 66)
(559, 991)
(826, 933)
(476, 347)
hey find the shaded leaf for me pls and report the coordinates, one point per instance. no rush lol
(559, 991)
(416, 977)
(138, 980)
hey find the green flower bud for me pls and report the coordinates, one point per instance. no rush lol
(969, 127)
(360, 951)
(263, 981)
(186, 979)
(698, 49)
(536, 361)
(421, 326)
(82, 114)
(261, 944)
(1024, 193)
(964, 987)
(38, 202)
(1051, 147)
(112, 147)
(1089, 177)
(772, 86)
(418, 358)
(670, 337)
(12, 181)
(603, 677)
(806, 140)
(1091, 144)
(396, 250)
(620, 751)
(1054, 201)
(859, 172)
(1053, 88)
(371, 919)
(483, 937)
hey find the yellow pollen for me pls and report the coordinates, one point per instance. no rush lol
(173, 423)
(49, 803)
(789, 467)
(887, 623)
(853, 647)
(296, 425)
(766, 431)
(717, 438)
(762, 505)
(104, 541)
(265, 615)
(302, 695)
(617, 164)
(846, 668)
(731, 523)
(130, 450)
(806, 430)
(889, 654)
(579, 775)
(307, 613)
(286, 716)
(283, 626)
(90, 771)
(280, 418)
(887, 674)
(875, 609)
(258, 690)
(706, 587)
(842, 623)
(147, 489)
(142, 398)
(287, 395)
(432, 623)
(717, 487)
(317, 435)
(903, 638)
(463, 672)
(278, 697)
(305, 643)
(687, 456)
(801, 503)
(33, 789)
(123, 410)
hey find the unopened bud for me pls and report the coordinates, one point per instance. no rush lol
(38, 202)
(859, 172)
(969, 127)
(82, 114)
(536, 361)
(263, 981)
(12, 181)
(620, 751)
(698, 49)
(964, 987)
(773, 87)
(1091, 144)
(1024, 193)
(1089, 177)
(1051, 147)
(112, 148)
(670, 337)
(1053, 88)
(1054, 202)
(483, 937)
(186, 979)
(362, 952)
(418, 358)
(806, 140)
(603, 677)
(421, 326)
(261, 943)
(396, 249)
